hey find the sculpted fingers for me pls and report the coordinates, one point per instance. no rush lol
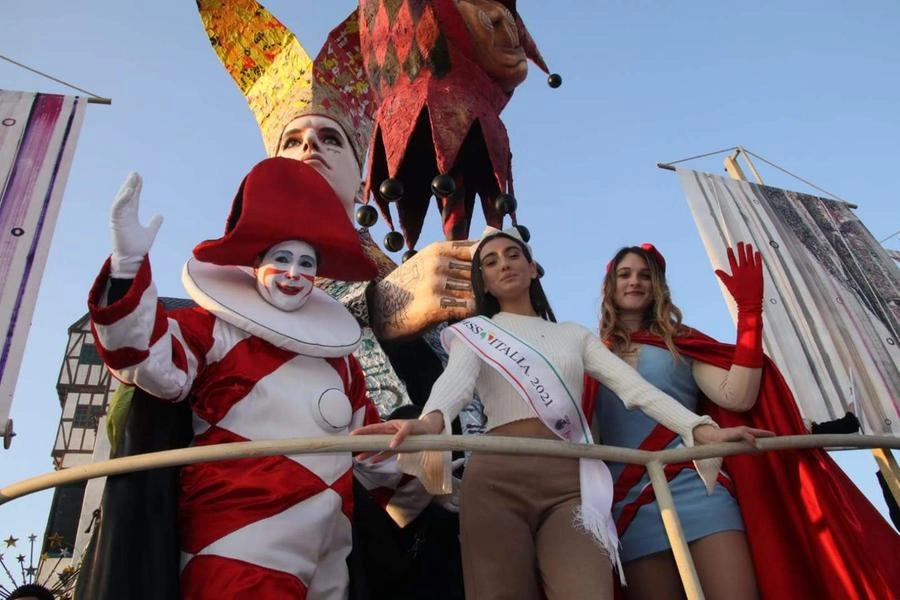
(460, 267)
(457, 308)
(457, 250)
(462, 249)
(457, 287)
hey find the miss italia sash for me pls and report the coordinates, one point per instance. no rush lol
(537, 381)
(533, 377)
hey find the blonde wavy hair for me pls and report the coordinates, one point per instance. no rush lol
(662, 317)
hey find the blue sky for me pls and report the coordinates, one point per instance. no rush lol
(810, 85)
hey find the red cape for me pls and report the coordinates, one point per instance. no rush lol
(812, 533)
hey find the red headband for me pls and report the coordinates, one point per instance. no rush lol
(652, 251)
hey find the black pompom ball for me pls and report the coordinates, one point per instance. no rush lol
(366, 215)
(393, 241)
(391, 189)
(554, 80)
(505, 204)
(443, 186)
(408, 255)
(540, 270)
(523, 231)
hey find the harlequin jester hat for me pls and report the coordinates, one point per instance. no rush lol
(652, 251)
(278, 78)
(438, 111)
(283, 199)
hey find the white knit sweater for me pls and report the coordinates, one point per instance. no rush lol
(573, 350)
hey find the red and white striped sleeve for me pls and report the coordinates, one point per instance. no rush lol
(144, 345)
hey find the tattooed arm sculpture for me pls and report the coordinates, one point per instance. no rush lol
(431, 287)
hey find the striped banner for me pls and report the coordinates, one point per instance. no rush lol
(832, 294)
(38, 133)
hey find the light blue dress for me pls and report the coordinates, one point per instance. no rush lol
(637, 514)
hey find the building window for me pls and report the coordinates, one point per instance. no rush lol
(89, 355)
(87, 416)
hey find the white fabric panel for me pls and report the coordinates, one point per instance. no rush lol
(832, 320)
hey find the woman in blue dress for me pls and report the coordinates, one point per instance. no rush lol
(641, 325)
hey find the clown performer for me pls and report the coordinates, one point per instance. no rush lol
(317, 112)
(265, 355)
(782, 525)
(442, 71)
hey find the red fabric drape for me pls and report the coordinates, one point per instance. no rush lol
(812, 533)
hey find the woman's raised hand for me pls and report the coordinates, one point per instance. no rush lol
(131, 241)
(745, 282)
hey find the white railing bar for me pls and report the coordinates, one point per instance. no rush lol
(686, 569)
(486, 443)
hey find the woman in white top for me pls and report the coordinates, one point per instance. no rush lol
(533, 526)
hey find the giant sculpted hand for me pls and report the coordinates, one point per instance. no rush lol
(431, 287)
(131, 241)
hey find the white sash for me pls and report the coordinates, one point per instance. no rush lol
(536, 380)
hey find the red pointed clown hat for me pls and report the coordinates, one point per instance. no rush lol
(283, 199)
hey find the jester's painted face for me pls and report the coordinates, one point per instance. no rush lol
(286, 275)
(496, 38)
(321, 143)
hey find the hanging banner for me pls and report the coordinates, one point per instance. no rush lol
(38, 133)
(831, 312)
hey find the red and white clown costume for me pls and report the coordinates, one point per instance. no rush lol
(278, 526)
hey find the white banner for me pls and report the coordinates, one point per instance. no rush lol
(38, 133)
(831, 311)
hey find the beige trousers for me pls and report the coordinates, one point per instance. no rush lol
(518, 535)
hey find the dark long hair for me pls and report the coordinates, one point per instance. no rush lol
(486, 304)
(661, 318)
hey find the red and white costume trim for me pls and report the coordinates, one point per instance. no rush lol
(270, 527)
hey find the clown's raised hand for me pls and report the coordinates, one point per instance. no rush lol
(131, 241)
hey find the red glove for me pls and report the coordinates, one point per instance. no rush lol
(745, 283)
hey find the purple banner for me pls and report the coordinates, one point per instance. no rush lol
(38, 134)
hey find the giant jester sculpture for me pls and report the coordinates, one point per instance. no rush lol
(441, 72)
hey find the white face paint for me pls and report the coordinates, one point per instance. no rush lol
(286, 274)
(321, 143)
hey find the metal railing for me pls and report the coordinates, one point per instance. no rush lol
(653, 461)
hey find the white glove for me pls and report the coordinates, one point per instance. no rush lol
(131, 241)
